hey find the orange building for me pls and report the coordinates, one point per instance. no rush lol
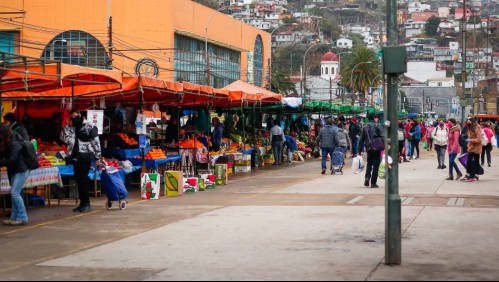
(158, 38)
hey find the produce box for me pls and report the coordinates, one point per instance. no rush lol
(149, 186)
(209, 180)
(174, 181)
(191, 185)
(221, 174)
(243, 168)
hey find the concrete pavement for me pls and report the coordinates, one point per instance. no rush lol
(284, 223)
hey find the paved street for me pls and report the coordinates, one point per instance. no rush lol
(277, 223)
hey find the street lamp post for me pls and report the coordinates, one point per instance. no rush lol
(52, 47)
(270, 57)
(304, 80)
(207, 56)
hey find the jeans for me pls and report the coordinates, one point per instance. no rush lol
(277, 148)
(355, 145)
(497, 139)
(441, 154)
(325, 152)
(81, 170)
(486, 151)
(409, 148)
(372, 168)
(17, 186)
(415, 147)
(473, 164)
(453, 165)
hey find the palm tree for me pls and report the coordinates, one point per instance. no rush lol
(360, 70)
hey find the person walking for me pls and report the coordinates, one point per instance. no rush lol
(487, 148)
(277, 139)
(327, 140)
(401, 139)
(415, 137)
(408, 127)
(370, 132)
(454, 149)
(474, 142)
(440, 136)
(429, 130)
(343, 139)
(11, 152)
(353, 132)
(83, 148)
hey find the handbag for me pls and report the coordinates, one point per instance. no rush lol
(464, 160)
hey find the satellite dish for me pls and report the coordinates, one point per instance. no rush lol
(155, 107)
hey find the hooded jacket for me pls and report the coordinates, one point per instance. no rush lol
(441, 135)
(12, 161)
(453, 143)
(88, 142)
(475, 144)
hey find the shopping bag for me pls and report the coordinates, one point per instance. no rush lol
(4, 183)
(494, 141)
(464, 160)
(358, 165)
(382, 167)
(425, 145)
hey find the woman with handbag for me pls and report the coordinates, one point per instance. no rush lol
(454, 149)
(474, 142)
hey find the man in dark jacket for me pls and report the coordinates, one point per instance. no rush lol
(353, 132)
(327, 140)
(371, 131)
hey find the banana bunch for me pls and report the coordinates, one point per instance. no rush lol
(236, 138)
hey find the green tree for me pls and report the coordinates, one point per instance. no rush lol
(360, 70)
(281, 83)
(357, 39)
(431, 27)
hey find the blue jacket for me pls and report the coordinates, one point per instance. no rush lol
(416, 133)
(291, 143)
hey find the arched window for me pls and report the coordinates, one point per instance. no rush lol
(332, 70)
(77, 48)
(258, 61)
(326, 71)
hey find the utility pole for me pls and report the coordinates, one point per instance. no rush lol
(394, 63)
(110, 35)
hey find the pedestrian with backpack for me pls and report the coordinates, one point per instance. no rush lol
(441, 137)
(373, 139)
(12, 156)
(83, 143)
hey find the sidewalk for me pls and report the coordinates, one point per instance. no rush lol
(286, 223)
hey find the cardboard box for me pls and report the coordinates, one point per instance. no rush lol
(201, 185)
(221, 174)
(243, 168)
(242, 157)
(191, 185)
(149, 186)
(174, 181)
(243, 163)
(209, 180)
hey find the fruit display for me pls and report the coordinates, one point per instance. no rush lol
(50, 161)
(155, 154)
(127, 140)
(112, 162)
(45, 146)
(190, 144)
(43, 162)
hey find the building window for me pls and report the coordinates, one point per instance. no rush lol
(327, 70)
(9, 41)
(190, 63)
(77, 48)
(258, 62)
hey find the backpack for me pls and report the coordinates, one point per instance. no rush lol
(29, 154)
(28, 151)
(401, 135)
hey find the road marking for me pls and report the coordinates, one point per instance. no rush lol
(460, 201)
(408, 201)
(452, 202)
(355, 200)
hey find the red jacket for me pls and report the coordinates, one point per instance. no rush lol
(453, 143)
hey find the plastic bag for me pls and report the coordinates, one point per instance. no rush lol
(382, 168)
(425, 145)
(358, 165)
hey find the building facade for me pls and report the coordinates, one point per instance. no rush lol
(176, 40)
